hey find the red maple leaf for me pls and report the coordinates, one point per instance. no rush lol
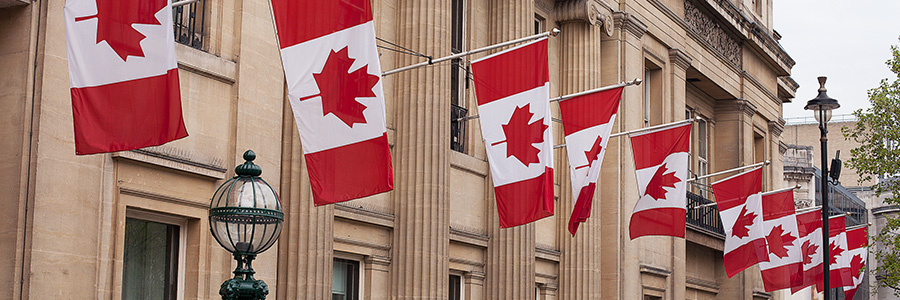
(741, 227)
(856, 264)
(520, 135)
(835, 252)
(591, 155)
(660, 180)
(777, 239)
(339, 88)
(808, 250)
(115, 19)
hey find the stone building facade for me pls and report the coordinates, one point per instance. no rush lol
(69, 218)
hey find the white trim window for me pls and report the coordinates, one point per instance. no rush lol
(153, 264)
(345, 279)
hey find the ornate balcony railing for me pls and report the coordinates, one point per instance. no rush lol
(703, 219)
(190, 24)
(457, 128)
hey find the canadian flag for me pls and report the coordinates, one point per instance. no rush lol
(587, 122)
(661, 167)
(858, 242)
(123, 74)
(785, 266)
(335, 88)
(839, 268)
(513, 93)
(809, 228)
(739, 199)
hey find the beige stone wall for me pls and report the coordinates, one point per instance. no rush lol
(441, 219)
(809, 135)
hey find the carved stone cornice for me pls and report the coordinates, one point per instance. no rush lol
(711, 32)
(680, 59)
(782, 148)
(776, 128)
(579, 11)
(474, 277)
(736, 105)
(630, 23)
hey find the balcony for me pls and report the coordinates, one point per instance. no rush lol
(703, 219)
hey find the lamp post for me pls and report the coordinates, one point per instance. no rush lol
(822, 105)
(245, 218)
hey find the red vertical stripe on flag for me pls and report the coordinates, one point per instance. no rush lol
(514, 212)
(127, 115)
(504, 75)
(647, 155)
(351, 171)
(734, 191)
(778, 205)
(589, 110)
(658, 221)
(302, 20)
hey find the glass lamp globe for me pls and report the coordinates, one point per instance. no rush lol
(245, 214)
(822, 105)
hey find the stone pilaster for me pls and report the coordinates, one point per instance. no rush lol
(623, 60)
(419, 268)
(510, 255)
(580, 68)
(679, 63)
(307, 238)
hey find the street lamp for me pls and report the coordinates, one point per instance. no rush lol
(245, 218)
(822, 105)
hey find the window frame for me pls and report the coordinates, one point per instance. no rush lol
(360, 272)
(182, 223)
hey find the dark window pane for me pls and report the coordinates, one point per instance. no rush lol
(151, 260)
(345, 280)
(455, 290)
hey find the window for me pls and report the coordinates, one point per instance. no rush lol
(345, 280)
(703, 155)
(151, 260)
(190, 23)
(458, 77)
(538, 24)
(455, 287)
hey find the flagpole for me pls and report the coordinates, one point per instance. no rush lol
(185, 2)
(553, 32)
(857, 226)
(796, 187)
(764, 194)
(759, 164)
(636, 81)
(639, 130)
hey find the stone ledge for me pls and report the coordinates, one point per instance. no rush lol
(206, 64)
(363, 215)
(470, 238)
(171, 158)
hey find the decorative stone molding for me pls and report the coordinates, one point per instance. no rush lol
(702, 24)
(777, 128)
(703, 285)
(782, 148)
(474, 277)
(741, 105)
(588, 11)
(629, 23)
(680, 59)
(377, 262)
(661, 272)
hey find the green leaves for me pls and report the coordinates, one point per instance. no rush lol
(877, 159)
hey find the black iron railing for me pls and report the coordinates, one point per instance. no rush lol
(190, 25)
(457, 128)
(705, 219)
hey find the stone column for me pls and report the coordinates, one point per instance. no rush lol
(474, 285)
(580, 68)
(419, 268)
(307, 239)
(679, 63)
(622, 60)
(510, 254)
(377, 276)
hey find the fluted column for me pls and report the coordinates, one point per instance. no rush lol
(306, 242)
(580, 67)
(510, 257)
(421, 155)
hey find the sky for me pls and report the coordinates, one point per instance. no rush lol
(847, 41)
